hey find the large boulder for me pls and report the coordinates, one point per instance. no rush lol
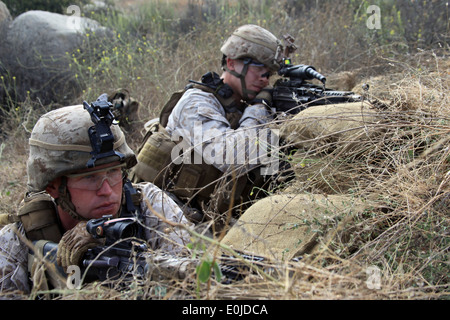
(332, 125)
(5, 21)
(38, 49)
(281, 227)
(5, 16)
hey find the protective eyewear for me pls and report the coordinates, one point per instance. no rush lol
(93, 180)
(258, 68)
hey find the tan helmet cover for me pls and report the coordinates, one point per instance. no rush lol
(59, 145)
(252, 41)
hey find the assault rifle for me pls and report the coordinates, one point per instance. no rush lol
(126, 258)
(293, 93)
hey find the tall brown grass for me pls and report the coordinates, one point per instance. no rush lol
(405, 169)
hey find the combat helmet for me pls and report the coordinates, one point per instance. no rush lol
(252, 41)
(60, 144)
(252, 44)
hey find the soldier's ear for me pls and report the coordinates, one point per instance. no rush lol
(53, 187)
(231, 64)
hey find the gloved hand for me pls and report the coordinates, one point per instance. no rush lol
(74, 244)
(264, 96)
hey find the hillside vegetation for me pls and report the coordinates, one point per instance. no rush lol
(157, 46)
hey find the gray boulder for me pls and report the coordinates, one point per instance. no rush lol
(5, 21)
(37, 51)
(5, 16)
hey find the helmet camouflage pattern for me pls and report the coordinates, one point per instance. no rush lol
(252, 41)
(60, 144)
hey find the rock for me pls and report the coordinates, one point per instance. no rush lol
(38, 46)
(281, 227)
(5, 16)
(5, 21)
(345, 124)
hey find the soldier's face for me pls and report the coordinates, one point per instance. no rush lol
(97, 192)
(94, 192)
(256, 79)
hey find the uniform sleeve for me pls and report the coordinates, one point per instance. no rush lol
(157, 233)
(255, 116)
(200, 120)
(13, 261)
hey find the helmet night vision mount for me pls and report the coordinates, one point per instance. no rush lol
(100, 135)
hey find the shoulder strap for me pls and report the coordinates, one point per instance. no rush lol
(132, 198)
(168, 107)
(211, 83)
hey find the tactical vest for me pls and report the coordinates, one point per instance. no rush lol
(201, 186)
(39, 216)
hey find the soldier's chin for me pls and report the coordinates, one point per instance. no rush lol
(250, 97)
(110, 209)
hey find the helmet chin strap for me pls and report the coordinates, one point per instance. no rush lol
(241, 76)
(65, 202)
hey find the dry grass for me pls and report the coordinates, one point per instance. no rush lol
(404, 169)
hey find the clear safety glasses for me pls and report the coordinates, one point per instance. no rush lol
(93, 180)
(258, 68)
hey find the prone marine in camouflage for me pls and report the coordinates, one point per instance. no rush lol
(63, 193)
(210, 128)
(279, 227)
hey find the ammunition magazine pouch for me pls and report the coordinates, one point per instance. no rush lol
(38, 215)
(194, 180)
(154, 156)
